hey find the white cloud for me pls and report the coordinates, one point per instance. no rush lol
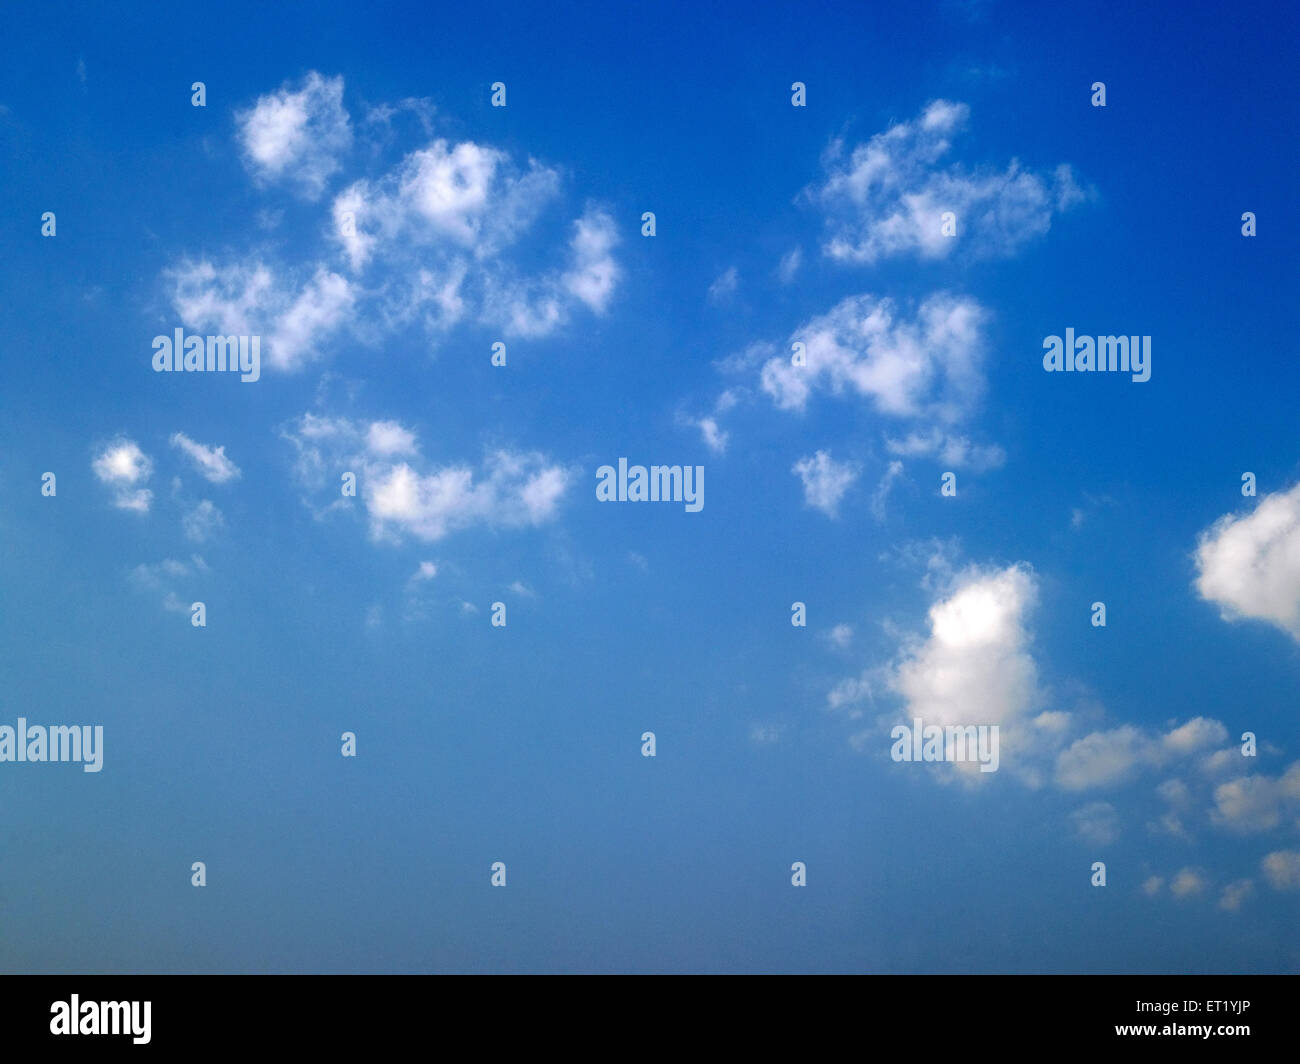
(1151, 886)
(851, 692)
(404, 496)
(152, 575)
(251, 300)
(1256, 803)
(469, 195)
(953, 451)
(448, 187)
(927, 366)
(975, 666)
(1194, 736)
(202, 522)
(887, 197)
(976, 659)
(714, 437)
(881, 495)
(1235, 894)
(1178, 797)
(429, 234)
(1282, 869)
(789, 265)
(162, 576)
(922, 367)
(1108, 758)
(825, 481)
(724, 286)
(388, 438)
(593, 273)
(841, 635)
(1188, 882)
(1097, 823)
(122, 466)
(1249, 565)
(210, 461)
(322, 305)
(122, 462)
(1221, 761)
(424, 571)
(511, 490)
(297, 135)
(439, 223)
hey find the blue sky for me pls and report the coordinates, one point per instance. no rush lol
(472, 224)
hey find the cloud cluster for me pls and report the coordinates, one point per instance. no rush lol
(1114, 756)
(423, 243)
(888, 197)
(403, 494)
(927, 365)
(1257, 802)
(976, 666)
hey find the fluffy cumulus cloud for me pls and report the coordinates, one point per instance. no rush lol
(211, 462)
(387, 438)
(1188, 882)
(294, 314)
(975, 661)
(125, 468)
(592, 273)
(1282, 869)
(888, 196)
(1111, 757)
(425, 243)
(1249, 565)
(1257, 803)
(825, 481)
(406, 496)
(926, 365)
(973, 668)
(470, 197)
(297, 135)
(437, 228)
(976, 666)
